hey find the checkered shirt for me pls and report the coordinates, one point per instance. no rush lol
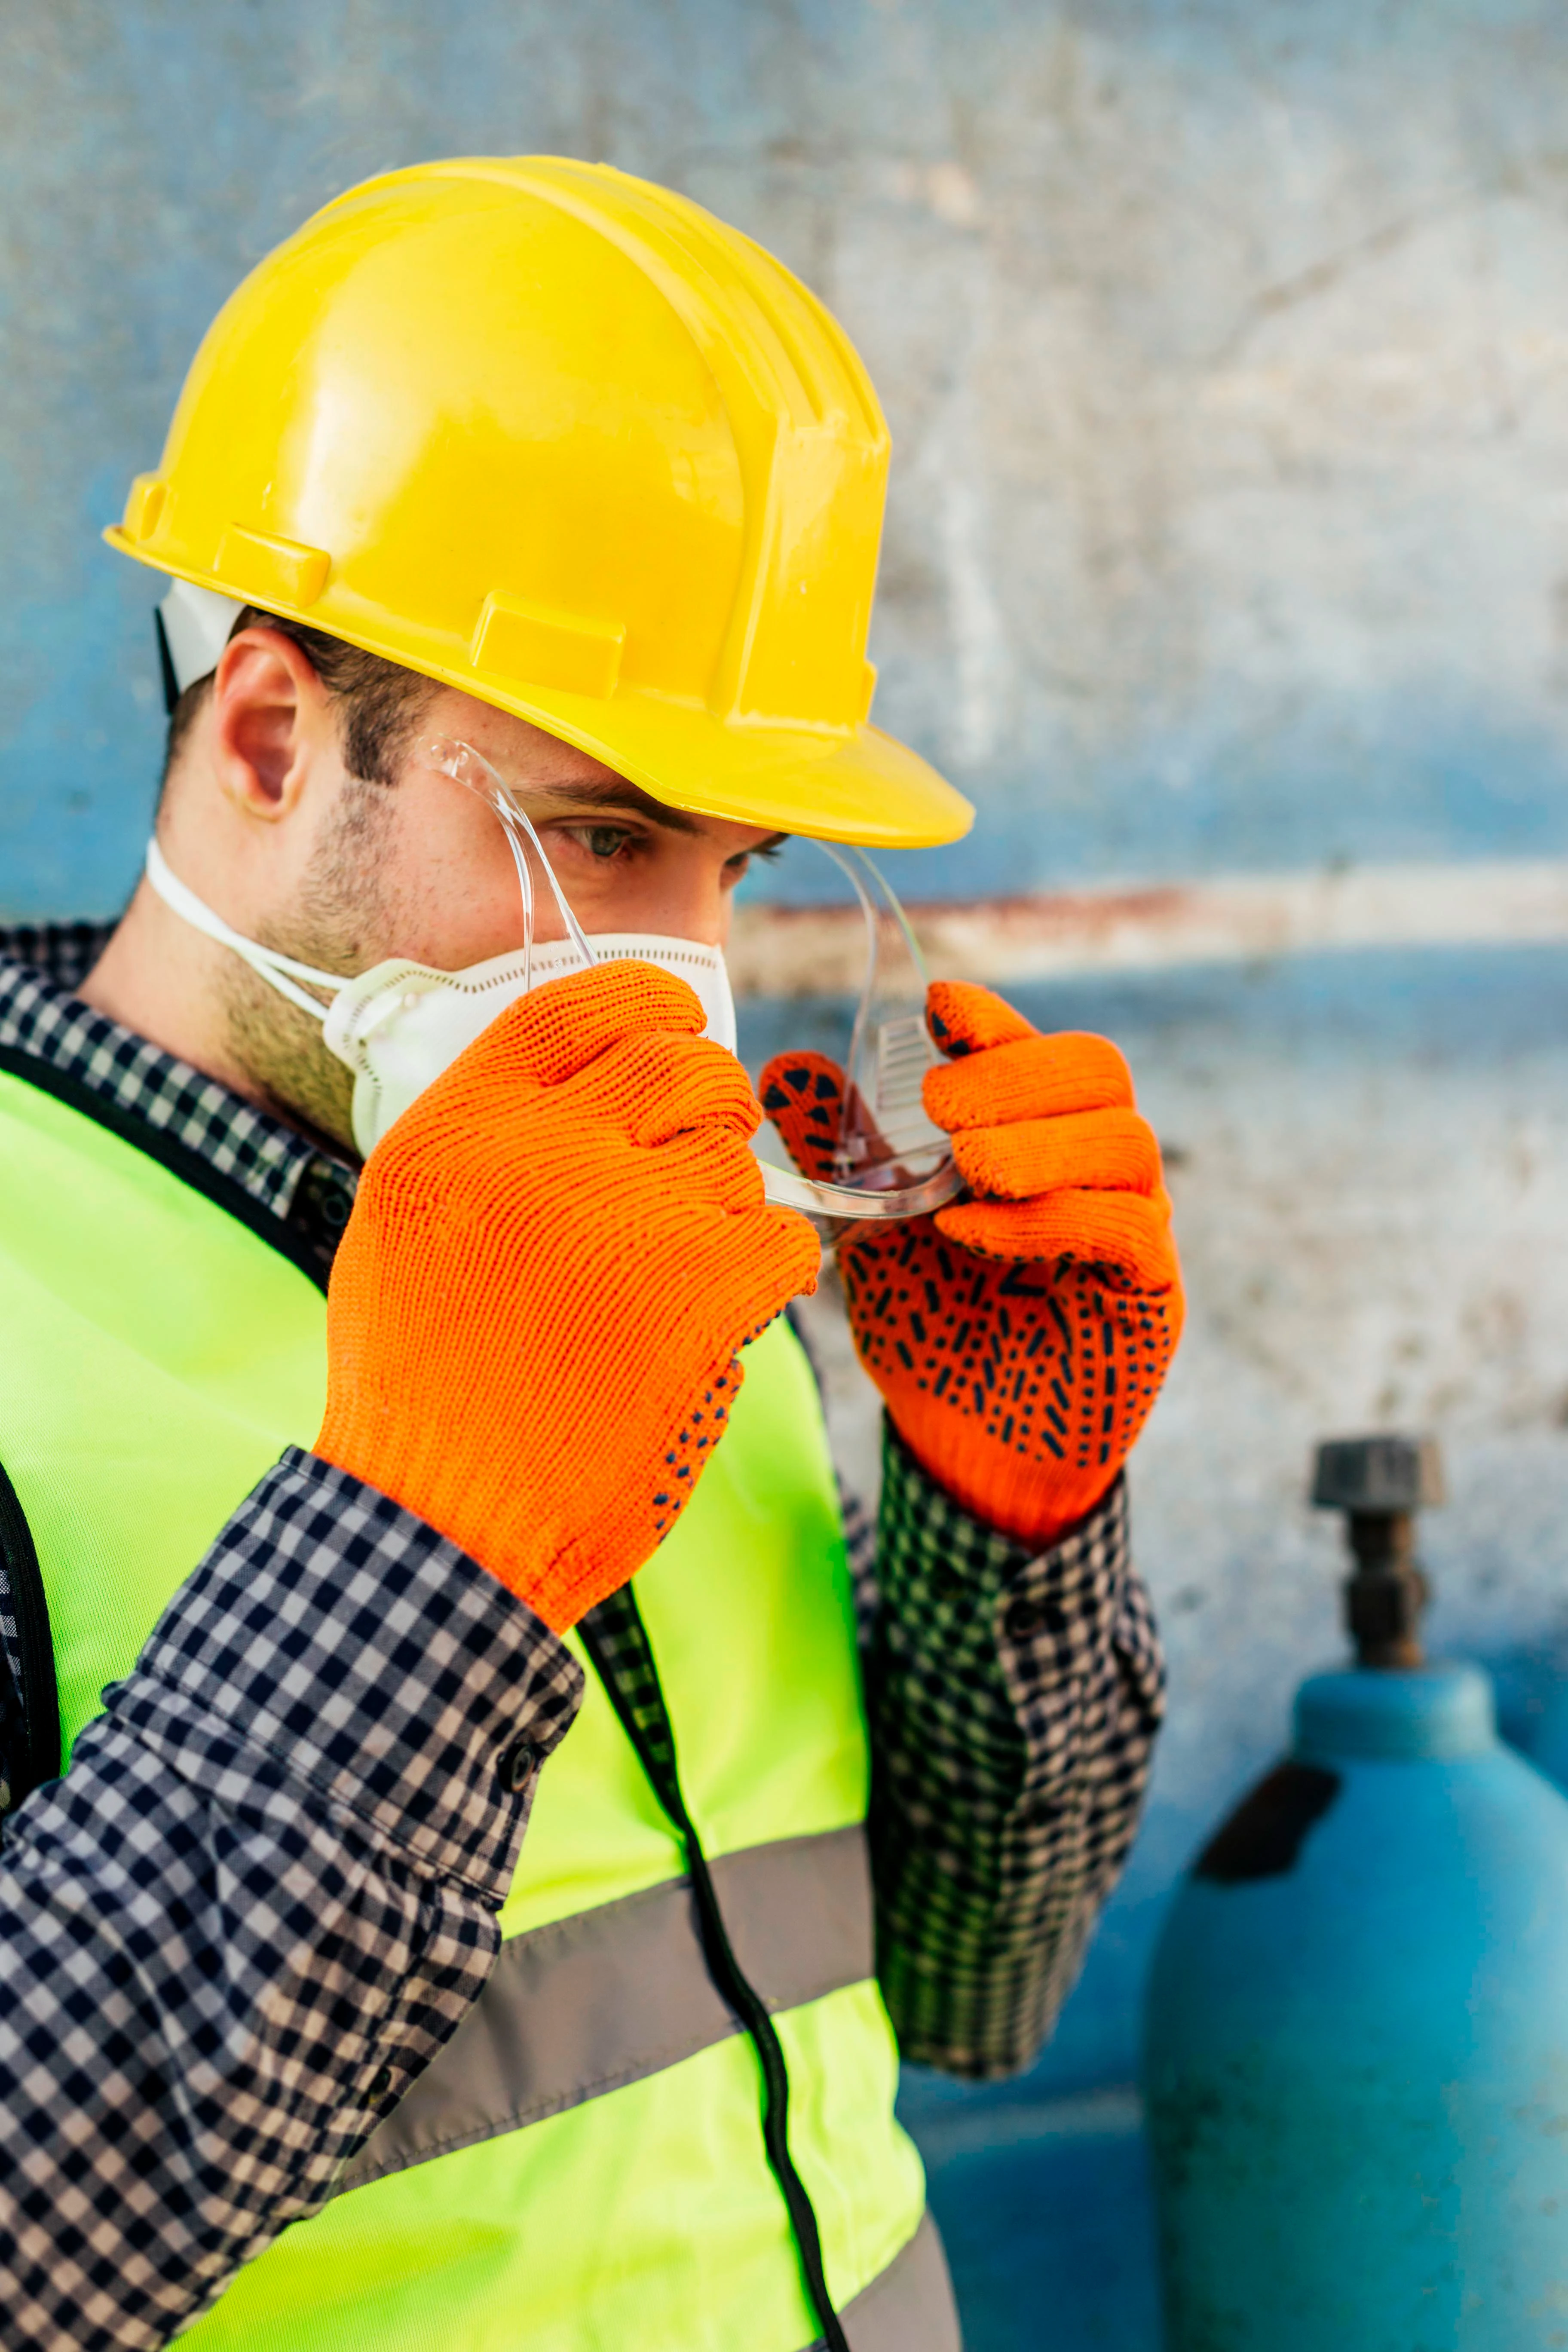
(182, 2073)
(1015, 1697)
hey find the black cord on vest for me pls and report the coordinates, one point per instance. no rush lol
(38, 1696)
(725, 1970)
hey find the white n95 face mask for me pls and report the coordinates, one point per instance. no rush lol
(398, 1025)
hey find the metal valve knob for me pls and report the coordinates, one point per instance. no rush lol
(1380, 1483)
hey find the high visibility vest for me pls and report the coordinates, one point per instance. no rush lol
(582, 2166)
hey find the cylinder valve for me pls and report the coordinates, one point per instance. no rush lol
(1380, 1483)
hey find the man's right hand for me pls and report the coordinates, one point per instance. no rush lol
(555, 1255)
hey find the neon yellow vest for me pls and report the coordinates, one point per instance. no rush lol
(158, 1356)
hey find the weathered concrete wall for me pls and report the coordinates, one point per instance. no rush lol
(1226, 351)
(1223, 345)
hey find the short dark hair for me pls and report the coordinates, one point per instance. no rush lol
(380, 702)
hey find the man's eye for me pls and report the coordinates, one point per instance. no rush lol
(605, 840)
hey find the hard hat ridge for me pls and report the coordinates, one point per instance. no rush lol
(563, 440)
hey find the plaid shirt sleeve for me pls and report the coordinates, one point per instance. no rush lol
(258, 1903)
(1014, 1697)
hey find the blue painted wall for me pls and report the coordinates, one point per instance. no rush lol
(1224, 347)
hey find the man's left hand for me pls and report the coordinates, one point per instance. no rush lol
(1018, 1336)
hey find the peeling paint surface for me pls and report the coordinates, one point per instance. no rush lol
(1249, 918)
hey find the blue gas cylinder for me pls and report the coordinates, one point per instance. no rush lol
(1357, 2055)
(1549, 1748)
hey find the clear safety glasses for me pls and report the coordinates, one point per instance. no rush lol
(892, 1162)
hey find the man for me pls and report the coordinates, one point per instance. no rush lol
(437, 1937)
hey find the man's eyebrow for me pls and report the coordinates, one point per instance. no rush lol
(616, 793)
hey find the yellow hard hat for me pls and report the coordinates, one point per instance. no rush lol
(563, 440)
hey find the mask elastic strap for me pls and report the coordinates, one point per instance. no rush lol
(280, 971)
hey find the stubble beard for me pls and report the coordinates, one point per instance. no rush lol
(340, 923)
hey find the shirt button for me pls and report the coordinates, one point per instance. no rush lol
(380, 2084)
(336, 1208)
(1024, 1620)
(324, 1204)
(515, 1765)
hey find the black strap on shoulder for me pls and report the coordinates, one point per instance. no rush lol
(169, 1152)
(38, 1757)
(617, 1641)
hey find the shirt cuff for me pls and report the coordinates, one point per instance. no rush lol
(919, 1515)
(330, 1637)
(1050, 1603)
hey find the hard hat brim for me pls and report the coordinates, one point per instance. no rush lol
(861, 786)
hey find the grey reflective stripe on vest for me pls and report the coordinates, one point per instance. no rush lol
(908, 2307)
(611, 1995)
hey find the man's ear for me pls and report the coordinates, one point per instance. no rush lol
(269, 716)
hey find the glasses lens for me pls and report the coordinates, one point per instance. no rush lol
(860, 952)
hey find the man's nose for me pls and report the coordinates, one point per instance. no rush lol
(694, 904)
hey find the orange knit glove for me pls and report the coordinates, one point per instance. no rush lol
(1020, 1337)
(556, 1251)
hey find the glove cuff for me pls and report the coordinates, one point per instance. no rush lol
(1031, 1503)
